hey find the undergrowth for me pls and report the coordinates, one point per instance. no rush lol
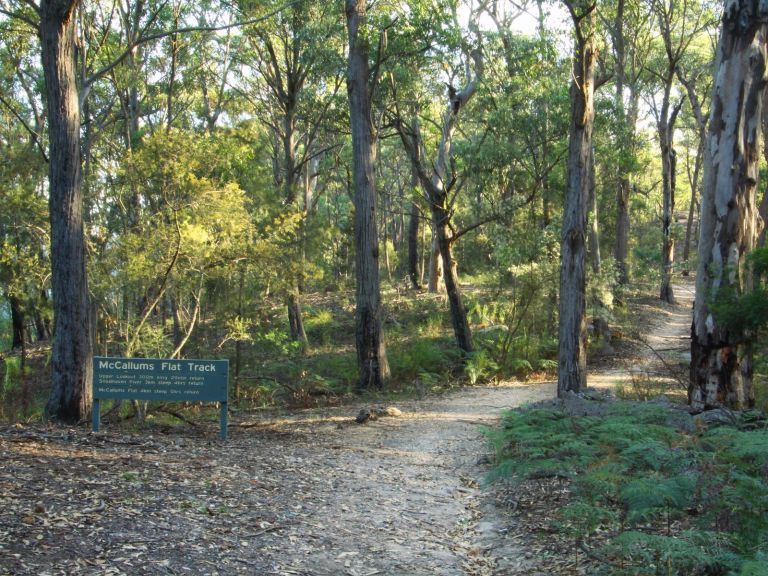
(645, 498)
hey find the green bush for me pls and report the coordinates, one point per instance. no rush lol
(422, 357)
(478, 366)
(320, 327)
(675, 503)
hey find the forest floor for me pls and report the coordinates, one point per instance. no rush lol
(304, 493)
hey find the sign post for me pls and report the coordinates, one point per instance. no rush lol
(158, 379)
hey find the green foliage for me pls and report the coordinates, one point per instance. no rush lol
(6, 328)
(757, 567)
(12, 376)
(678, 504)
(479, 366)
(321, 327)
(425, 359)
(745, 315)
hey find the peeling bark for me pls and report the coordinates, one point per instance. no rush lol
(721, 368)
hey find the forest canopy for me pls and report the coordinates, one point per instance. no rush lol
(262, 181)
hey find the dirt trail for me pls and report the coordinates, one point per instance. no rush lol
(664, 345)
(314, 494)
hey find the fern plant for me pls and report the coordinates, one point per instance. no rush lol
(677, 504)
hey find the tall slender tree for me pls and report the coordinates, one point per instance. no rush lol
(438, 184)
(721, 366)
(629, 33)
(572, 371)
(369, 334)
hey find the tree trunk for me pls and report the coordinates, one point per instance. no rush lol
(18, 323)
(666, 129)
(413, 247)
(437, 184)
(594, 230)
(694, 202)
(435, 277)
(762, 209)
(621, 251)
(295, 320)
(600, 314)
(572, 375)
(461, 329)
(625, 78)
(42, 325)
(694, 178)
(721, 367)
(70, 397)
(369, 336)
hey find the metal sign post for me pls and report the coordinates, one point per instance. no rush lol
(160, 379)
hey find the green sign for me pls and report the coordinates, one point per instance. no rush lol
(158, 379)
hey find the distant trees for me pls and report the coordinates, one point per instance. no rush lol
(163, 118)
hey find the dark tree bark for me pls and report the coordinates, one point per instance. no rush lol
(70, 397)
(665, 128)
(461, 329)
(18, 323)
(369, 334)
(437, 185)
(721, 366)
(413, 247)
(621, 251)
(572, 370)
(295, 320)
(42, 323)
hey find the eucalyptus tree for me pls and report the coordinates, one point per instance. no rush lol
(678, 25)
(721, 365)
(628, 27)
(528, 98)
(369, 333)
(297, 57)
(441, 183)
(572, 354)
(70, 397)
(67, 87)
(697, 84)
(24, 232)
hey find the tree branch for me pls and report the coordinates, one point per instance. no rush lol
(35, 136)
(21, 18)
(145, 39)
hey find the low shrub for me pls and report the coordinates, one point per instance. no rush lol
(644, 497)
